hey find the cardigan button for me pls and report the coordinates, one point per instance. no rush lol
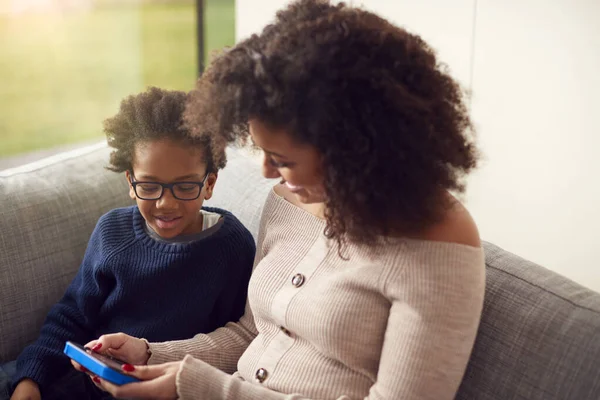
(298, 280)
(284, 330)
(261, 375)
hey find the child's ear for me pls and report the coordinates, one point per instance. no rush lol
(210, 185)
(131, 191)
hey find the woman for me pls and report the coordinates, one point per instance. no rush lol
(369, 275)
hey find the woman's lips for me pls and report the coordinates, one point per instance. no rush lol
(293, 188)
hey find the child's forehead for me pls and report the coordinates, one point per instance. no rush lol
(168, 160)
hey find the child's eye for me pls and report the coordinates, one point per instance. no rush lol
(187, 188)
(149, 188)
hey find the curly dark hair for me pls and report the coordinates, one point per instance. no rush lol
(391, 124)
(152, 115)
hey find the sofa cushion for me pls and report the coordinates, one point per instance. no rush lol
(242, 189)
(538, 337)
(46, 219)
(48, 212)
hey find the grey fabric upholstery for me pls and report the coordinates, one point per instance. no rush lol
(539, 334)
(539, 337)
(46, 219)
(242, 189)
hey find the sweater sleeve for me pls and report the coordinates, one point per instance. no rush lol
(221, 349)
(430, 333)
(231, 302)
(73, 318)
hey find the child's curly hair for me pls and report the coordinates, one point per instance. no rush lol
(152, 115)
(389, 121)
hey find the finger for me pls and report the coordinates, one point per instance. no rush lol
(97, 381)
(117, 353)
(78, 366)
(91, 344)
(111, 341)
(81, 368)
(144, 372)
(105, 385)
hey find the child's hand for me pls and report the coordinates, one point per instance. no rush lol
(123, 347)
(26, 390)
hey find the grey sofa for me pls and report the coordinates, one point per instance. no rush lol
(539, 336)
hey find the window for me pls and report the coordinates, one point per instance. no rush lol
(66, 64)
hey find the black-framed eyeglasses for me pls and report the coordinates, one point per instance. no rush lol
(185, 190)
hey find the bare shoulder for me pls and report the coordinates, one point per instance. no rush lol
(457, 226)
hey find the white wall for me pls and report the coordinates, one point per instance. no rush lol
(536, 87)
(534, 70)
(252, 15)
(448, 26)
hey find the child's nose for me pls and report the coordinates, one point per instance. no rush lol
(167, 200)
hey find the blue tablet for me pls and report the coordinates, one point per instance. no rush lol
(105, 367)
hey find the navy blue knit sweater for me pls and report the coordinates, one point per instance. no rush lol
(129, 282)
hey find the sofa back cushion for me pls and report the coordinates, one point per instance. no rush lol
(539, 337)
(48, 213)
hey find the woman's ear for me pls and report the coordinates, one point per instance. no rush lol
(209, 186)
(131, 191)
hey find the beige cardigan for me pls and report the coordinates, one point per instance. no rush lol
(398, 322)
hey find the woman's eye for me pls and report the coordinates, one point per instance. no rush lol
(278, 164)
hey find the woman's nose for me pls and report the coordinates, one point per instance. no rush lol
(268, 170)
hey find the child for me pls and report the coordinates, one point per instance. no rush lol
(165, 269)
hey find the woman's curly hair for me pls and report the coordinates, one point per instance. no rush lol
(152, 115)
(390, 123)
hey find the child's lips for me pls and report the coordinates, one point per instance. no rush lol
(165, 222)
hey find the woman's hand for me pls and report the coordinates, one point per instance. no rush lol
(123, 347)
(158, 382)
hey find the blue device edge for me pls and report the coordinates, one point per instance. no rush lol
(96, 367)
